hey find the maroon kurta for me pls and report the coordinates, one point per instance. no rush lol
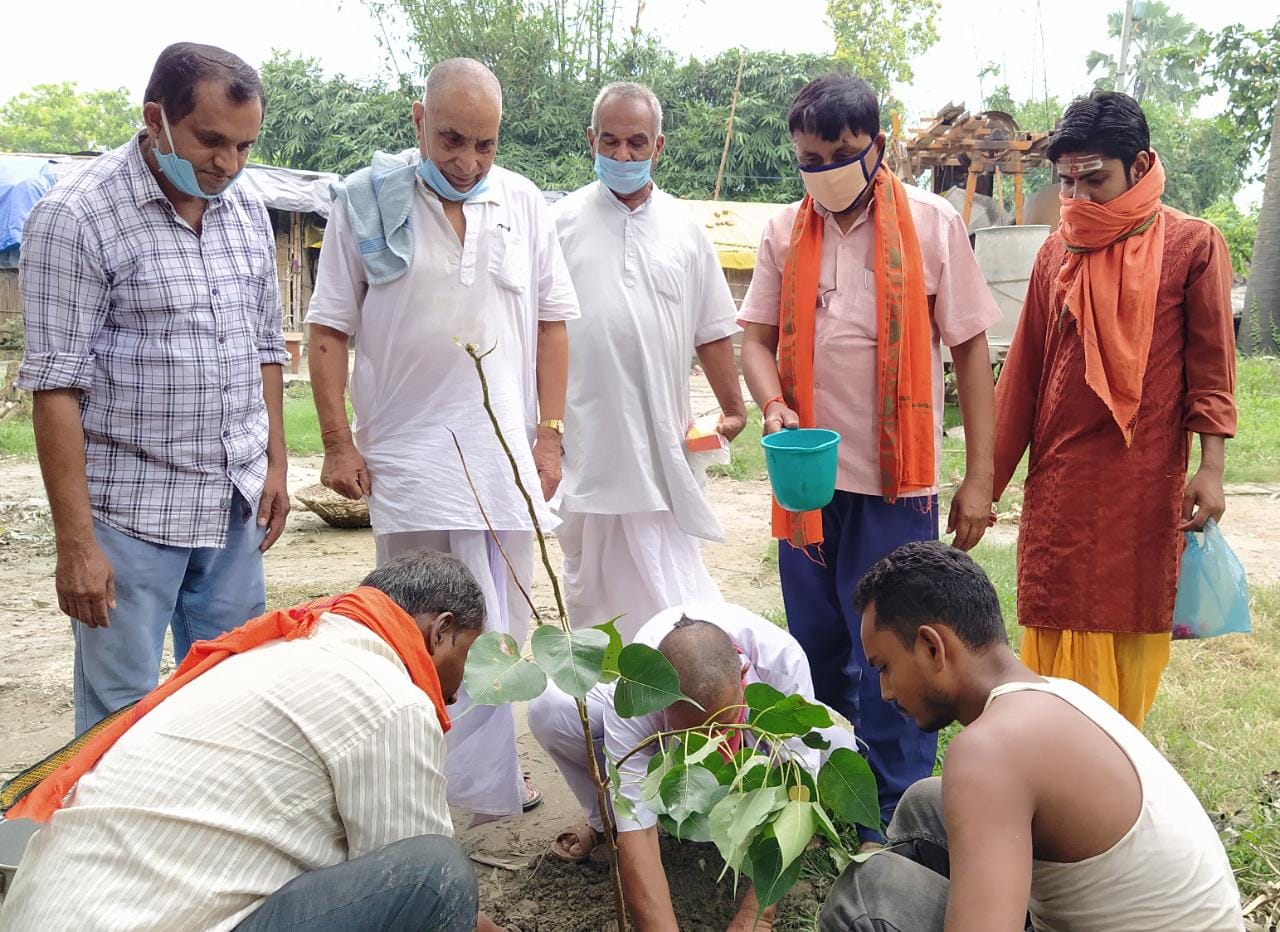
(1098, 545)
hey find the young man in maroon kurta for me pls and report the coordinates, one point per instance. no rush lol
(1106, 382)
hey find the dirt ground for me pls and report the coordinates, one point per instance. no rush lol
(524, 889)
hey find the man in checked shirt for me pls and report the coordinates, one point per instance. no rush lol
(154, 350)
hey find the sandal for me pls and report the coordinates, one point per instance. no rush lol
(532, 795)
(560, 848)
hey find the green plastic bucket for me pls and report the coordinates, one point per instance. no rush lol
(802, 466)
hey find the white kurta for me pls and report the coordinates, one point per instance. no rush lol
(772, 656)
(413, 384)
(652, 291)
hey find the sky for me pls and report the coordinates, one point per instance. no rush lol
(1039, 46)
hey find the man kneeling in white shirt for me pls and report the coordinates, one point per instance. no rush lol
(718, 649)
(289, 775)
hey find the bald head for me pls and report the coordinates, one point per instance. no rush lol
(462, 75)
(709, 667)
(457, 121)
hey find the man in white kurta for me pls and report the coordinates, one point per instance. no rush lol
(766, 654)
(485, 268)
(652, 294)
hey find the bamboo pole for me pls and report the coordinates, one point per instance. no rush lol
(728, 136)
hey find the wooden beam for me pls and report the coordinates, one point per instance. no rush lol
(1017, 198)
(970, 188)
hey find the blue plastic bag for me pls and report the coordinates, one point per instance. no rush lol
(1213, 595)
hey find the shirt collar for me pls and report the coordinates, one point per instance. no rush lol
(612, 198)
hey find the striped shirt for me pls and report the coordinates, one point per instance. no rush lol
(164, 332)
(293, 756)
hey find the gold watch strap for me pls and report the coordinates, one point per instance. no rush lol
(554, 423)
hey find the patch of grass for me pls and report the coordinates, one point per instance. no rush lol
(1253, 455)
(748, 456)
(17, 437)
(1217, 720)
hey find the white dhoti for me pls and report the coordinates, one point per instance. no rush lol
(481, 765)
(637, 564)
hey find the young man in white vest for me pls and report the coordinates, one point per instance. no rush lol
(1052, 812)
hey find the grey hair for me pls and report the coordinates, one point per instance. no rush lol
(705, 659)
(460, 69)
(425, 582)
(632, 91)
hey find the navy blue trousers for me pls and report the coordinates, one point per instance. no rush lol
(817, 592)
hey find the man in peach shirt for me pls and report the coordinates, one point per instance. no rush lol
(855, 289)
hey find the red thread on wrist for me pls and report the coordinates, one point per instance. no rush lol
(780, 398)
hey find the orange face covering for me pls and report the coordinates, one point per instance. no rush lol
(370, 607)
(1110, 281)
(904, 377)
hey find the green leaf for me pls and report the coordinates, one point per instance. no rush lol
(687, 790)
(784, 716)
(609, 673)
(816, 741)
(573, 659)
(496, 673)
(826, 826)
(661, 764)
(793, 828)
(771, 877)
(697, 751)
(736, 819)
(848, 788)
(646, 682)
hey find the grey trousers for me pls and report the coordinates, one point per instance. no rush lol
(423, 884)
(903, 890)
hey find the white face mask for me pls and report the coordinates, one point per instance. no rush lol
(838, 185)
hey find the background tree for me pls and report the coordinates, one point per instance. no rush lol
(1201, 157)
(1165, 54)
(57, 118)
(1246, 64)
(878, 39)
(328, 124)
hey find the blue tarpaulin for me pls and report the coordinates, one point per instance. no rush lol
(23, 181)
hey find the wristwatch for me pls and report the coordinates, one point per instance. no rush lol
(553, 423)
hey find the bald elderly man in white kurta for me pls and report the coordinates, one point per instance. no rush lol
(423, 250)
(652, 294)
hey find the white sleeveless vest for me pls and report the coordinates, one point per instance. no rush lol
(1169, 873)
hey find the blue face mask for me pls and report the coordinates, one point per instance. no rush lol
(623, 177)
(180, 172)
(432, 175)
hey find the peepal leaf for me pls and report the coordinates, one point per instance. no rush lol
(646, 682)
(623, 808)
(772, 879)
(496, 673)
(793, 828)
(736, 819)
(689, 790)
(609, 673)
(781, 715)
(573, 659)
(848, 788)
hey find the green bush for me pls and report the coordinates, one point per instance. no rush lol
(1238, 229)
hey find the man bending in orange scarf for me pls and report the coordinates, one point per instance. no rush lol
(855, 290)
(1125, 348)
(288, 775)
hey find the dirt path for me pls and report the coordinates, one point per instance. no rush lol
(312, 559)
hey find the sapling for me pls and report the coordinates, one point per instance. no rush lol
(760, 805)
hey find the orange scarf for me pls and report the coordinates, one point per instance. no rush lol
(904, 383)
(1110, 280)
(370, 607)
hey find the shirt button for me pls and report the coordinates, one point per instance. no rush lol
(226, 434)
(221, 340)
(215, 292)
(227, 389)
(225, 503)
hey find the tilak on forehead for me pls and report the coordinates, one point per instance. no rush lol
(1078, 164)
